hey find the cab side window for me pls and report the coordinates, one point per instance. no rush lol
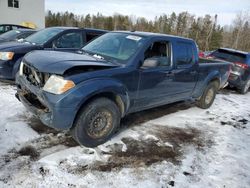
(69, 40)
(185, 55)
(160, 52)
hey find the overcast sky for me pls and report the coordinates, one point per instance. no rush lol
(225, 9)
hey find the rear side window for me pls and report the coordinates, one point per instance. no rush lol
(184, 54)
(91, 36)
(229, 56)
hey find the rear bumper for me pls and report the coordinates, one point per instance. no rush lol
(237, 79)
(47, 107)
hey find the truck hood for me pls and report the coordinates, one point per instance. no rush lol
(59, 62)
(15, 46)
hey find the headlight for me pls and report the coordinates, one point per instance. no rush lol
(58, 85)
(6, 55)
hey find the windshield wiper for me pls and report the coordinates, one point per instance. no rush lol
(98, 56)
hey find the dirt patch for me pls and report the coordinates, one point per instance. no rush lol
(179, 136)
(33, 148)
(144, 152)
(236, 122)
(139, 153)
(29, 151)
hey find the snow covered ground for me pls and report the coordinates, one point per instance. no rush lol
(176, 145)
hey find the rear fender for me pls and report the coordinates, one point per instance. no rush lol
(213, 76)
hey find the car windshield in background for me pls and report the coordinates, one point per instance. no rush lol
(229, 56)
(43, 36)
(10, 34)
(116, 46)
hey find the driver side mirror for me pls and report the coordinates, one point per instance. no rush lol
(150, 62)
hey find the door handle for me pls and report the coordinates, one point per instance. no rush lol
(169, 74)
(193, 72)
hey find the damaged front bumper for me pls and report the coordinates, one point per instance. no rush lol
(51, 109)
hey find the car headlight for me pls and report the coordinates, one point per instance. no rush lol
(58, 85)
(6, 55)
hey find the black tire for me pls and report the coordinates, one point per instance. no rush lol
(208, 96)
(245, 87)
(96, 122)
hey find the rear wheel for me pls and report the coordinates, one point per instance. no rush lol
(245, 88)
(208, 96)
(96, 122)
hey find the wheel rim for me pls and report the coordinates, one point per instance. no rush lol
(100, 124)
(209, 97)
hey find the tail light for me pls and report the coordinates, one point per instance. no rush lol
(210, 56)
(244, 66)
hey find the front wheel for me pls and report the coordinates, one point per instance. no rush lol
(207, 98)
(96, 122)
(245, 88)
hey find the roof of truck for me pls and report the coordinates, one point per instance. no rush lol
(150, 34)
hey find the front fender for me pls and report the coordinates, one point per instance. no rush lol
(77, 96)
(91, 88)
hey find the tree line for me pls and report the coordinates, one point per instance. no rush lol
(205, 30)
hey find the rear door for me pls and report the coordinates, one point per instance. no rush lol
(185, 73)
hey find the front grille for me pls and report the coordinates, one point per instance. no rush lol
(35, 77)
(35, 101)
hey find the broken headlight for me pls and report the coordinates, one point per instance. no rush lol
(58, 85)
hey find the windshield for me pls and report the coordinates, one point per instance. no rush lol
(229, 56)
(43, 36)
(117, 46)
(10, 34)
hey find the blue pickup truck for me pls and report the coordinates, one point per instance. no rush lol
(116, 74)
(52, 38)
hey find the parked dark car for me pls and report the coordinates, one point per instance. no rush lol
(240, 73)
(54, 38)
(7, 27)
(116, 74)
(15, 35)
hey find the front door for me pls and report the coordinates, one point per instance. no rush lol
(156, 80)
